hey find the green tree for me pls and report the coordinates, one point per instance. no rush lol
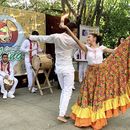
(115, 23)
(112, 16)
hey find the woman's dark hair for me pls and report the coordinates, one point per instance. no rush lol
(119, 40)
(98, 38)
(35, 33)
(71, 25)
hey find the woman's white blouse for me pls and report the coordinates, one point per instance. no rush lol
(95, 55)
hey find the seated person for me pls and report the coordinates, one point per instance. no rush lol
(7, 72)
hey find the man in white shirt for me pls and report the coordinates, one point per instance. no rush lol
(30, 48)
(64, 45)
(7, 71)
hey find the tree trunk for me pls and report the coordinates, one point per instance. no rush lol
(63, 5)
(84, 15)
(2, 1)
(97, 7)
(71, 8)
(82, 5)
(99, 13)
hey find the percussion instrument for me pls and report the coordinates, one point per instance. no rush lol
(42, 61)
(8, 83)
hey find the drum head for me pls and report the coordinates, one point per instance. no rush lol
(8, 84)
(36, 62)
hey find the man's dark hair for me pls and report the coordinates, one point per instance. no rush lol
(35, 33)
(4, 54)
(71, 25)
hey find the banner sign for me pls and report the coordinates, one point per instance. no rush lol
(15, 26)
(85, 30)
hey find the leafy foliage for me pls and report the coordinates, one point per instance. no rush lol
(115, 24)
(112, 16)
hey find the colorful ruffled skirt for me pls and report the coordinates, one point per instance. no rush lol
(105, 91)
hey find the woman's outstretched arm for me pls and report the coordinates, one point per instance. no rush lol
(108, 50)
(62, 25)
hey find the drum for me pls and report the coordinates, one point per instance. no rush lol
(42, 62)
(8, 83)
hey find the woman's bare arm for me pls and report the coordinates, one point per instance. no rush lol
(62, 25)
(108, 50)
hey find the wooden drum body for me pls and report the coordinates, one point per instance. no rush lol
(42, 62)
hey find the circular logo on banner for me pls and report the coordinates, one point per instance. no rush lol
(11, 38)
(11, 32)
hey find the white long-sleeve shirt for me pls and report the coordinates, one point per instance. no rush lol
(25, 47)
(7, 69)
(64, 45)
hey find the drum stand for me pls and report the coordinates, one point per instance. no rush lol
(46, 73)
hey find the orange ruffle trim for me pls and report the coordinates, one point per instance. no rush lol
(84, 117)
(98, 124)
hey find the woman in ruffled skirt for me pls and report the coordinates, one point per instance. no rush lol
(105, 90)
